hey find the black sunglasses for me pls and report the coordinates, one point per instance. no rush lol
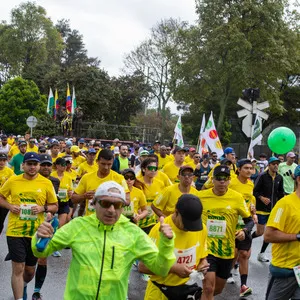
(107, 204)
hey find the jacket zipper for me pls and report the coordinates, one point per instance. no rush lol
(101, 268)
(113, 257)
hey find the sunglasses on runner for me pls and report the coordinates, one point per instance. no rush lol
(46, 165)
(108, 204)
(152, 168)
(220, 178)
(129, 177)
(187, 174)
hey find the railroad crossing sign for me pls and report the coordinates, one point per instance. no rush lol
(249, 110)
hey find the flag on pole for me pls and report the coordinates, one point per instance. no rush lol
(178, 133)
(256, 136)
(201, 146)
(210, 134)
(68, 101)
(50, 105)
(56, 107)
(74, 103)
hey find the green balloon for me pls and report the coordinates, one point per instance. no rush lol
(281, 140)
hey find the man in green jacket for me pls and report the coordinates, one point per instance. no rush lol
(104, 246)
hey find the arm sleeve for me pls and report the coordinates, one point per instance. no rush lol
(81, 188)
(280, 189)
(278, 215)
(159, 261)
(249, 224)
(161, 200)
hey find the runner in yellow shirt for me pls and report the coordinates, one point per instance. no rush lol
(5, 173)
(31, 195)
(90, 165)
(221, 209)
(189, 158)
(152, 187)
(165, 202)
(32, 147)
(77, 157)
(89, 182)
(137, 210)
(283, 232)
(190, 250)
(172, 168)
(163, 158)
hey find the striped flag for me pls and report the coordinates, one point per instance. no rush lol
(56, 108)
(74, 103)
(50, 105)
(68, 101)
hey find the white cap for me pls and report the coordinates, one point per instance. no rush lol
(104, 190)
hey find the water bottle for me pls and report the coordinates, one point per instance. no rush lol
(43, 242)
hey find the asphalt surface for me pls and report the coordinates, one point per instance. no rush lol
(54, 285)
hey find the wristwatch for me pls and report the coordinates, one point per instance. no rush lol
(298, 237)
(46, 208)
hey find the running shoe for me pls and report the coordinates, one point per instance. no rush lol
(236, 266)
(245, 291)
(230, 280)
(262, 257)
(56, 254)
(37, 296)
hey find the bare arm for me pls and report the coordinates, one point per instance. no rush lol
(273, 235)
(53, 207)
(76, 198)
(157, 211)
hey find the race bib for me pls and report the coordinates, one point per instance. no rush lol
(62, 194)
(186, 256)
(128, 211)
(91, 206)
(26, 213)
(216, 228)
(297, 274)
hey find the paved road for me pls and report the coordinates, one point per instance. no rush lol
(57, 272)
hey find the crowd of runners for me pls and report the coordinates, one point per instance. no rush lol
(184, 218)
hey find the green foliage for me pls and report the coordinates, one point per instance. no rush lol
(19, 99)
(226, 134)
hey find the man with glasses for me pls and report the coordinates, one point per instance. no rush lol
(268, 189)
(221, 208)
(105, 245)
(214, 160)
(27, 196)
(165, 202)
(88, 184)
(286, 170)
(32, 147)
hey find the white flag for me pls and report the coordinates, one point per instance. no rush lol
(201, 141)
(256, 135)
(211, 136)
(178, 133)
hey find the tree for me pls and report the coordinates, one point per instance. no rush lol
(235, 45)
(153, 59)
(19, 99)
(30, 44)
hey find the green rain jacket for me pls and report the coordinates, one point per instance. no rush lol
(102, 256)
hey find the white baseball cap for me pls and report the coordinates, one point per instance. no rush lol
(104, 190)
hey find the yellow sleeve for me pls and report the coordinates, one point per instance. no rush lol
(81, 188)
(51, 195)
(5, 189)
(161, 200)
(142, 201)
(278, 215)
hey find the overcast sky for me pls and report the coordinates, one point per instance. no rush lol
(111, 28)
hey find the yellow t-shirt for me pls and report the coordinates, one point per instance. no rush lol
(5, 174)
(64, 186)
(77, 161)
(86, 168)
(72, 173)
(13, 151)
(285, 217)
(189, 248)
(188, 160)
(137, 200)
(27, 193)
(33, 149)
(163, 161)
(151, 191)
(10, 141)
(167, 199)
(160, 175)
(55, 158)
(172, 171)
(91, 181)
(220, 214)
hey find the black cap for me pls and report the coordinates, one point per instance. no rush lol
(243, 161)
(45, 158)
(60, 161)
(225, 161)
(3, 156)
(126, 171)
(156, 142)
(177, 149)
(190, 208)
(55, 143)
(185, 167)
(221, 170)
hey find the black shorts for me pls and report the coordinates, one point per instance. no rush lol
(222, 267)
(245, 244)
(147, 229)
(71, 204)
(20, 250)
(63, 209)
